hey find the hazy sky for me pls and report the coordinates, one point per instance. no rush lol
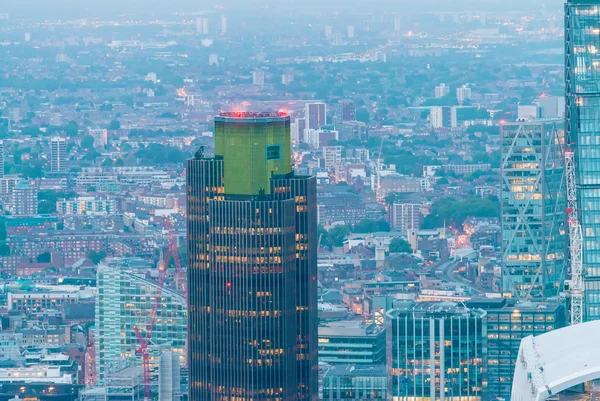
(89, 8)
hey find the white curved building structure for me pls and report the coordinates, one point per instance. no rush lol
(555, 361)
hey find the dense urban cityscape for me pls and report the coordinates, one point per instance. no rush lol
(285, 201)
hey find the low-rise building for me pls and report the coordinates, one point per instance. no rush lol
(87, 205)
(351, 342)
(43, 298)
(355, 382)
(35, 374)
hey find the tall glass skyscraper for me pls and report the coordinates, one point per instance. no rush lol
(534, 241)
(252, 266)
(582, 82)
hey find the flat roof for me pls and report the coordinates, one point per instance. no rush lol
(357, 370)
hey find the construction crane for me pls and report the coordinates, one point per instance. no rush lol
(575, 288)
(145, 342)
(174, 251)
(180, 276)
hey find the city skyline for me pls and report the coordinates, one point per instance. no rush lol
(299, 200)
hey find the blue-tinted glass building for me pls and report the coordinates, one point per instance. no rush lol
(582, 82)
(534, 240)
(436, 351)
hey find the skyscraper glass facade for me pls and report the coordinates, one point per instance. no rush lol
(534, 241)
(252, 266)
(507, 325)
(125, 301)
(436, 351)
(582, 82)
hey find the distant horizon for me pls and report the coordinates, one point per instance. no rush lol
(55, 9)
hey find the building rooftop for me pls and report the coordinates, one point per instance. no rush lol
(357, 370)
(349, 328)
(432, 309)
(254, 114)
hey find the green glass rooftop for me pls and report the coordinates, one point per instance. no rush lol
(254, 146)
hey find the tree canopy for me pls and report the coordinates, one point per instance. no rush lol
(453, 212)
(398, 245)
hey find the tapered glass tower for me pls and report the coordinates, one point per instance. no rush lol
(252, 266)
(582, 82)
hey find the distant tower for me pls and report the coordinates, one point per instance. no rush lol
(213, 59)
(58, 154)
(199, 25)
(328, 31)
(1, 159)
(315, 115)
(223, 24)
(24, 198)
(442, 90)
(205, 26)
(397, 24)
(350, 32)
(169, 376)
(258, 77)
(337, 39)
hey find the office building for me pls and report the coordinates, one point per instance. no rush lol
(442, 90)
(350, 32)
(252, 232)
(205, 26)
(332, 156)
(301, 127)
(328, 31)
(463, 93)
(169, 376)
(534, 242)
(315, 115)
(397, 24)
(582, 22)
(405, 216)
(100, 135)
(552, 106)
(124, 301)
(338, 39)
(1, 159)
(355, 382)
(44, 298)
(348, 110)
(351, 342)
(258, 77)
(441, 116)
(10, 346)
(223, 24)
(24, 198)
(317, 138)
(213, 59)
(436, 351)
(508, 322)
(87, 205)
(287, 79)
(199, 25)
(528, 112)
(58, 154)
